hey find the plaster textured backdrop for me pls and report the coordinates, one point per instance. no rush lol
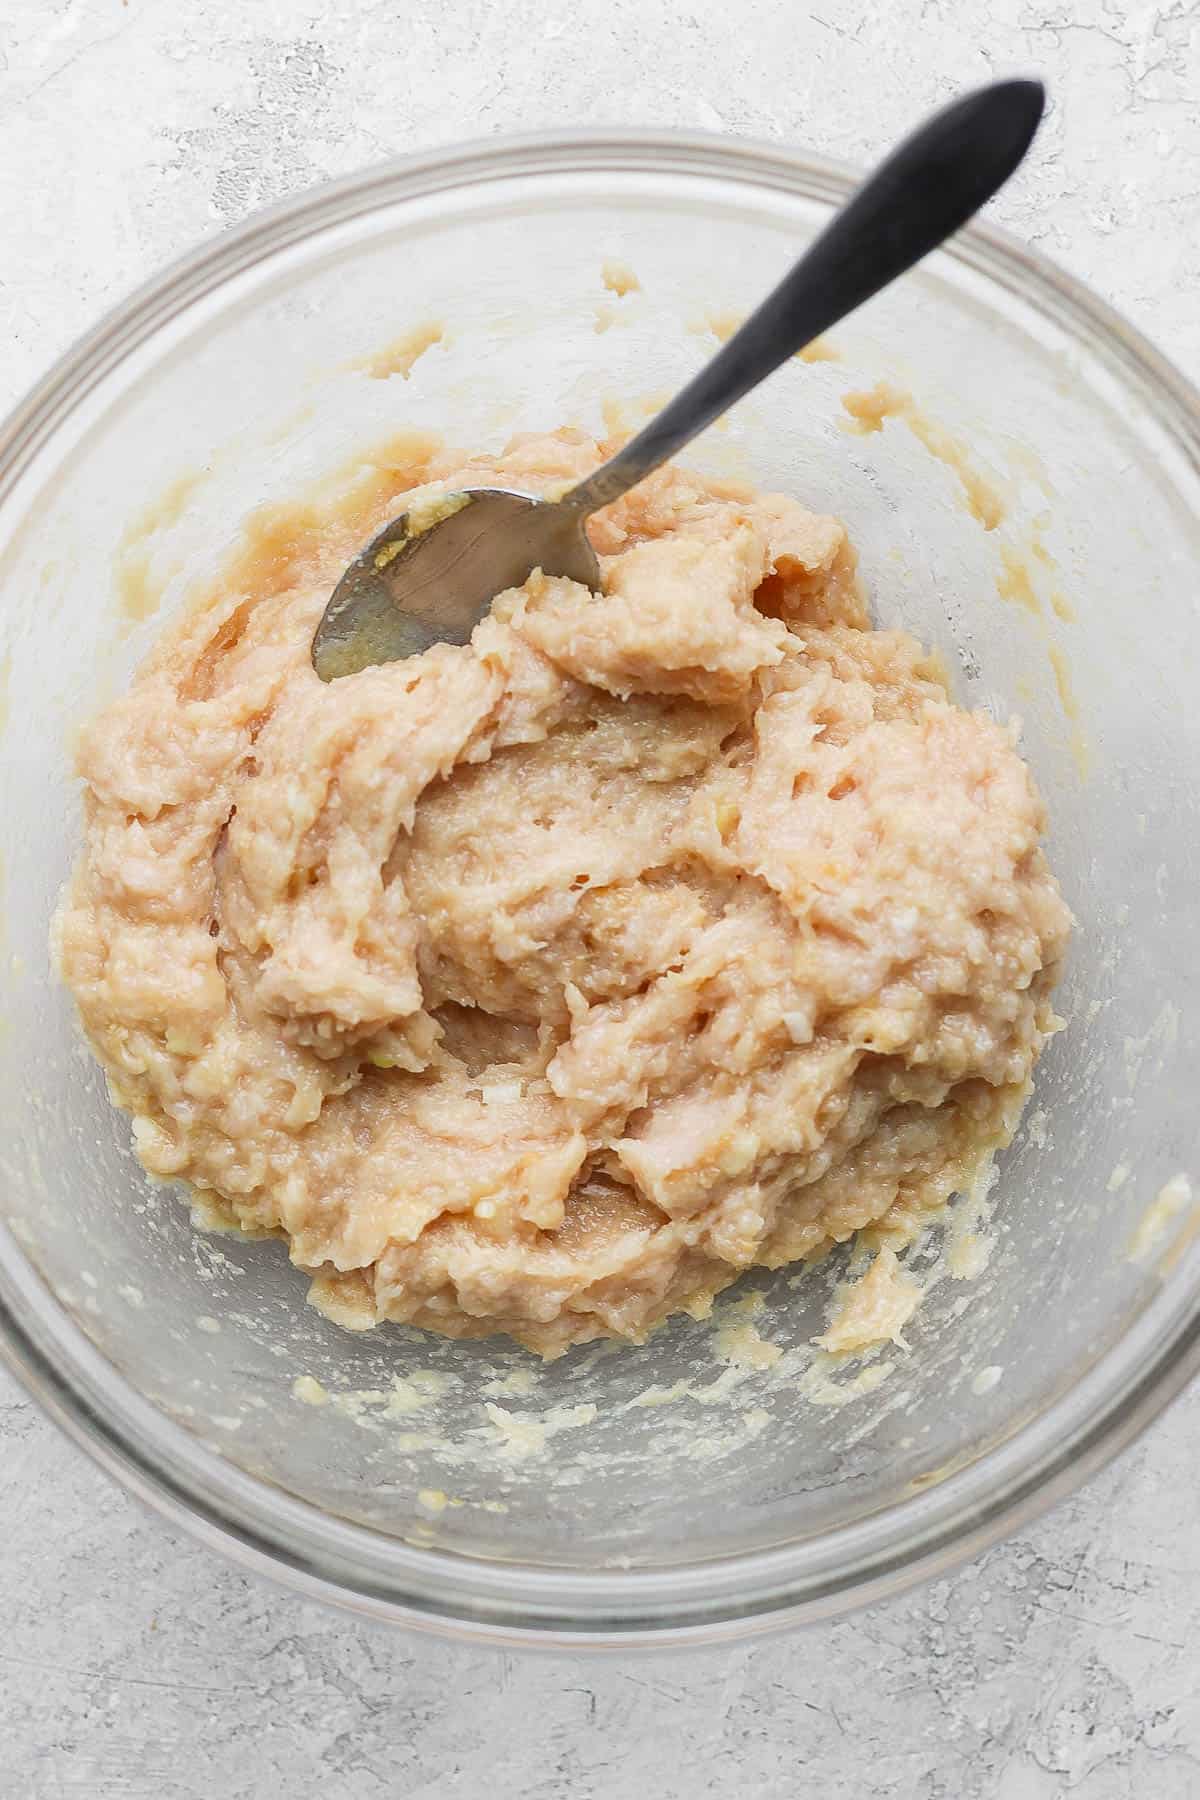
(1064, 1663)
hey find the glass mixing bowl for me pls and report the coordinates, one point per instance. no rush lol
(669, 1491)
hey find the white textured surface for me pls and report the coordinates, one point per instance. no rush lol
(1064, 1663)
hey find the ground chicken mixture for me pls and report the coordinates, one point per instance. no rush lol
(545, 984)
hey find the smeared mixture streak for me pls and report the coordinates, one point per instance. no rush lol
(543, 985)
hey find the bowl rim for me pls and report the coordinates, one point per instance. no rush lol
(280, 1536)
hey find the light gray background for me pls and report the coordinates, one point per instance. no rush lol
(131, 1664)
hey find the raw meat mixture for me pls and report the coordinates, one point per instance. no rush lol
(543, 985)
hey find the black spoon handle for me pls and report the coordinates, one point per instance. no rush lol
(926, 189)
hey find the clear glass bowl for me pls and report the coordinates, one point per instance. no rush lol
(466, 1496)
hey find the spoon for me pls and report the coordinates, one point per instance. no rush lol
(432, 574)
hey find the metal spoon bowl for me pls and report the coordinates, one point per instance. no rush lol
(432, 574)
(429, 576)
